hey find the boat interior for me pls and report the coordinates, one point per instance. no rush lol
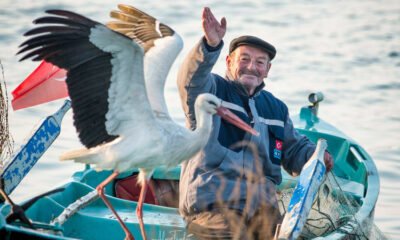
(160, 210)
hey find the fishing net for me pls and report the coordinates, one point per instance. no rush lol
(6, 141)
(334, 209)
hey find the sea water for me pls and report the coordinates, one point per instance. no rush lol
(349, 50)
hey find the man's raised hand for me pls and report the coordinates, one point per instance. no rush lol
(214, 31)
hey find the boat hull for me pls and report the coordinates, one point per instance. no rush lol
(354, 179)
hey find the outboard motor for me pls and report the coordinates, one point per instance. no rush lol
(310, 113)
(315, 99)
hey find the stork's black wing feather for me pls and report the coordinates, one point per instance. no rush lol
(47, 40)
(65, 42)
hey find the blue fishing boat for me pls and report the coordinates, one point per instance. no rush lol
(343, 205)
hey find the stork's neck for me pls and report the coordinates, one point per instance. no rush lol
(203, 123)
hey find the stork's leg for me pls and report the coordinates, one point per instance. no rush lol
(139, 208)
(100, 190)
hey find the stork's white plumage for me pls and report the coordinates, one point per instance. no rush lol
(116, 83)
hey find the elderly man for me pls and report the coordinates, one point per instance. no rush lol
(228, 190)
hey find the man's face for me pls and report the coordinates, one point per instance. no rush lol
(249, 66)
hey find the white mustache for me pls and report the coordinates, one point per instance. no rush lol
(256, 74)
(250, 74)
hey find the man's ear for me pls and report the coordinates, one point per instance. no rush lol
(269, 65)
(228, 61)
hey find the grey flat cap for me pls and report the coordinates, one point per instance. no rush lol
(254, 42)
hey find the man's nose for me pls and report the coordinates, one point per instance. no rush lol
(251, 65)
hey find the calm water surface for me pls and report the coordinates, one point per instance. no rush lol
(349, 50)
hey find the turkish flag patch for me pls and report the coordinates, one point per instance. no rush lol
(278, 145)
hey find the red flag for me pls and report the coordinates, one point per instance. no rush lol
(46, 83)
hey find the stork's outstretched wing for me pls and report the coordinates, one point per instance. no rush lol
(138, 25)
(161, 44)
(105, 73)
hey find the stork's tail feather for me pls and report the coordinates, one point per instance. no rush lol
(83, 155)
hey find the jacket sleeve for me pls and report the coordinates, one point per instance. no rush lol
(195, 77)
(297, 149)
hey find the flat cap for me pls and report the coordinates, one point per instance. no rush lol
(254, 42)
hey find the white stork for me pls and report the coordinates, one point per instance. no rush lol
(122, 125)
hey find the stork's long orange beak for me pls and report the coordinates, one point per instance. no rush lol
(235, 120)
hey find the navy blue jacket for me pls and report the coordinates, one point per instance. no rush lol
(233, 161)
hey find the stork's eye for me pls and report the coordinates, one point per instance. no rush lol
(212, 103)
